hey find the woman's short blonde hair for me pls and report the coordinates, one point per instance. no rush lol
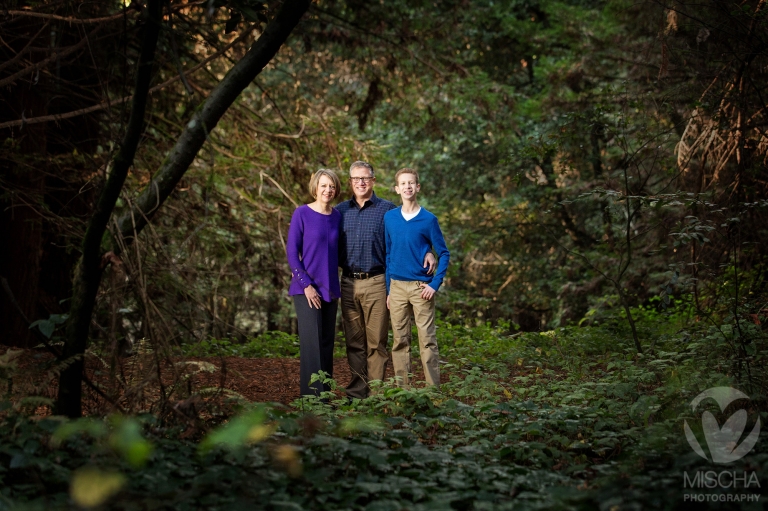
(315, 181)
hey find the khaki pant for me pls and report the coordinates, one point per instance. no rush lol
(365, 318)
(404, 299)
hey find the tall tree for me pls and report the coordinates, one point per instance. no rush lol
(194, 135)
(89, 268)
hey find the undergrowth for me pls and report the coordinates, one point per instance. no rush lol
(270, 344)
(572, 418)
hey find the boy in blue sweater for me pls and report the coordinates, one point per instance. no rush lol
(411, 231)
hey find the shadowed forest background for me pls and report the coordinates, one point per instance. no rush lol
(598, 169)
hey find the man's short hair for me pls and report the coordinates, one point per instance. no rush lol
(363, 165)
(315, 180)
(406, 170)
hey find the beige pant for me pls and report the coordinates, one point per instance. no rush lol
(404, 299)
(365, 318)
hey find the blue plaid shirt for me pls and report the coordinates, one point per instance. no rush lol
(361, 240)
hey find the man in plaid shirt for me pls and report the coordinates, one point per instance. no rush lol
(362, 257)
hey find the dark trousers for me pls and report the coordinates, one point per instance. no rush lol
(317, 331)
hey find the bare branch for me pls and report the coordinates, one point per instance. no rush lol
(109, 103)
(24, 50)
(55, 56)
(75, 21)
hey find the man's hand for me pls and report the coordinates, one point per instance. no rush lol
(312, 297)
(427, 292)
(431, 261)
(387, 302)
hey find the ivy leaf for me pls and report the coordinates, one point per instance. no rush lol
(46, 327)
(127, 440)
(239, 432)
(18, 461)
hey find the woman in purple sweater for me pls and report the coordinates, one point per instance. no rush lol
(313, 255)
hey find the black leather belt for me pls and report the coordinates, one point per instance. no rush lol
(361, 275)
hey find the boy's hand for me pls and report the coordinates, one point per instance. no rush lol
(387, 302)
(427, 292)
(429, 260)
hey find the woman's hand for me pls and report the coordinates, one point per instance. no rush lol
(313, 297)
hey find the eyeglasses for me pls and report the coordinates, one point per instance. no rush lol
(361, 179)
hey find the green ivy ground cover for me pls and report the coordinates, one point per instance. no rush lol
(568, 419)
(270, 344)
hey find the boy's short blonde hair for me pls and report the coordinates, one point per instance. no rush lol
(406, 170)
(315, 180)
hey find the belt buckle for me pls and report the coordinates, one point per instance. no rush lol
(360, 275)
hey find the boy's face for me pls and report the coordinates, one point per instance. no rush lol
(407, 187)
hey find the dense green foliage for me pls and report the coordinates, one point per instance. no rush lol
(572, 418)
(550, 153)
(563, 145)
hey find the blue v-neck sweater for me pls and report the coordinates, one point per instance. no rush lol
(407, 244)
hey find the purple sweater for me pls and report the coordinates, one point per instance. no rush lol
(313, 252)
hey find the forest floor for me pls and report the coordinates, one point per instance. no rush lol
(258, 380)
(276, 379)
(568, 419)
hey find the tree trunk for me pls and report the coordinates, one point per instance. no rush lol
(88, 272)
(21, 205)
(21, 238)
(89, 269)
(630, 319)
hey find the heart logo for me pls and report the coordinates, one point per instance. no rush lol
(723, 442)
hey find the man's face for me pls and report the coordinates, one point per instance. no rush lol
(362, 182)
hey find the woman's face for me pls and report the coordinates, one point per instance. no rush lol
(326, 190)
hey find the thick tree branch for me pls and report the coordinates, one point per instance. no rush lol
(208, 115)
